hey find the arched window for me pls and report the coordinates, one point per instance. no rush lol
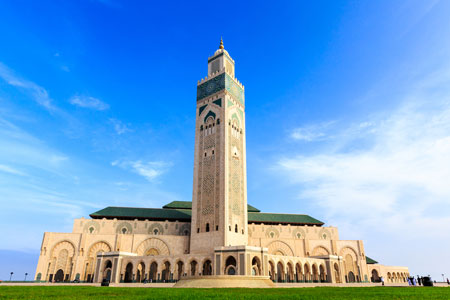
(155, 232)
(207, 227)
(229, 228)
(217, 227)
(235, 228)
(124, 230)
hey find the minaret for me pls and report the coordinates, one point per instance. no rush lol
(219, 200)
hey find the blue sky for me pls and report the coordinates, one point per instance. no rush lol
(347, 115)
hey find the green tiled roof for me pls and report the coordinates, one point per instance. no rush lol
(188, 205)
(370, 261)
(182, 211)
(267, 218)
(132, 213)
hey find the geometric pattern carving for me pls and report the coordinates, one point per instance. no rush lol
(91, 227)
(324, 234)
(97, 248)
(155, 226)
(124, 228)
(272, 233)
(298, 233)
(280, 248)
(63, 245)
(152, 243)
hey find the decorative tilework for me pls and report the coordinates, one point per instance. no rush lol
(218, 83)
(201, 109)
(218, 102)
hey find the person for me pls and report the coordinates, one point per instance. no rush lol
(382, 280)
(419, 281)
(414, 281)
(448, 282)
(409, 281)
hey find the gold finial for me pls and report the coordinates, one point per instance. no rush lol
(221, 43)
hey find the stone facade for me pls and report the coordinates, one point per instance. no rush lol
(218, 234)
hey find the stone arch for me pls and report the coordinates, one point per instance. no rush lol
(106, 270)
(61, 257)
(179, 269)
(298, 272)
(207, 267)
(349, 250)
(280, 248)
(280, 271)
(193, 265)
(128, 276)
(91, 260)
(91, 227)
(272, 233)
(375, 276)
(124, 228)
(307, 271)
(322, 273)
(165, 272)
(315, 272)
(337, 273)
(256, 266)
(272, 270)
(290, 271)
(320, 251)
(298, 233)
(153, 271)
(156, 229)
(140, 272)
(152, 246)
(231, 265)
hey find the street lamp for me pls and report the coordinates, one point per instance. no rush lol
(25, 277)
(443, 280)
(11, 276)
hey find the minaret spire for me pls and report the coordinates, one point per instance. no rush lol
(221, 43)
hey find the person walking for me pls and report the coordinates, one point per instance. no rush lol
(382, 280)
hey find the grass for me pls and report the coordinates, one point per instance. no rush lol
(89, 292)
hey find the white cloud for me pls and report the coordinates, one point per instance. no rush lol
(119, 127)
(313, 132)
(10, 170)
(150, 170)
(89, 102)
(38, 93)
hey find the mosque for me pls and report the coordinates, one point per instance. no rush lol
(217, 234)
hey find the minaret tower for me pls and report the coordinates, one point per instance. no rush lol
(219, 200)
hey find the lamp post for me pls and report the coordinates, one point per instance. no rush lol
(443, 280)
(11, 276)
(25, 277)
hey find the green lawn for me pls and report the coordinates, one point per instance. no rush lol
(88, 292)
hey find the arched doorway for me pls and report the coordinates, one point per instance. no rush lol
(256, 266)
(59, 276)
(280, 272)
(180, 269)
(128, 273)
(337, 274)
(107, 271)
(230, 266)
(290, 273)
(298, 272)
(323, 275)
(375, 277)
(207, 268)
(193, 268)
(351, 277)
(153, 272)
(272, 271)
(315, 273)
(165, 275)
(307, 273)
(140, 273)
